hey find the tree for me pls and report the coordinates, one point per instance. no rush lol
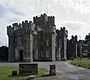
(3, 53)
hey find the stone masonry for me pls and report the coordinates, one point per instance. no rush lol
(37, 41)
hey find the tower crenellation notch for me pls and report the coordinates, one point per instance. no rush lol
(15, 26)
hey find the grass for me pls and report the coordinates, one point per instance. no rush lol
(5, 72)
(84, 62)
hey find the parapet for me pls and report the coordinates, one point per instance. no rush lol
(10, 30)
(43, 18)
(40, 20)
(24, 25)
(64, 31)
(38, 17)
(74, 37)
(51, 20)
(87, 36)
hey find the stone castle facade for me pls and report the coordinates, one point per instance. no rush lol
(37, 41)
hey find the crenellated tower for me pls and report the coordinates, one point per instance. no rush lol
(72, 47)
(61, 42)
(45, 26)
(21, 41)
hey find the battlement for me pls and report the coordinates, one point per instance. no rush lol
(74, 37)
(27, 25)
(63, 30)
(41, 16)
(87, 36)
(39, 20)
(24, 25)
(10, 30)
(43, 19)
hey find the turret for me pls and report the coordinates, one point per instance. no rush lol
(10, 30)
(40, 20)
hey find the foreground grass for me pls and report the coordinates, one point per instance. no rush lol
(6, 71)
(84, 62)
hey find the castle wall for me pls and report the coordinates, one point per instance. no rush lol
(44, 46)
(46, 30)
(72, 47)
(20, 42)
(11, 49)
(37, 40)
(11, 43)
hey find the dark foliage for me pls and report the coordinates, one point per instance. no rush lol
(3, 53)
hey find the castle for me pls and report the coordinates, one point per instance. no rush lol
(37, 41)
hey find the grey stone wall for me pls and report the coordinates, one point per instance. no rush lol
(61, 42)
(37, 40)
(73, 47)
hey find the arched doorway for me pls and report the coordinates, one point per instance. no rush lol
(21, 55)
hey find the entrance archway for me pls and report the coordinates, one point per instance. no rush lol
(21, 55)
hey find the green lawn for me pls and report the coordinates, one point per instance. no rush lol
(84, 62)
(5, 73)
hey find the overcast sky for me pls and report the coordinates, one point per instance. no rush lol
(73, 14)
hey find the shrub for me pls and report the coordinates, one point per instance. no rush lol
(72, 58)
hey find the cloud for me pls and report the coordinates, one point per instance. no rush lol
(73, 14)
(3, 10)
(77, 28)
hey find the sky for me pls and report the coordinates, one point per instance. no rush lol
(72, 14)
